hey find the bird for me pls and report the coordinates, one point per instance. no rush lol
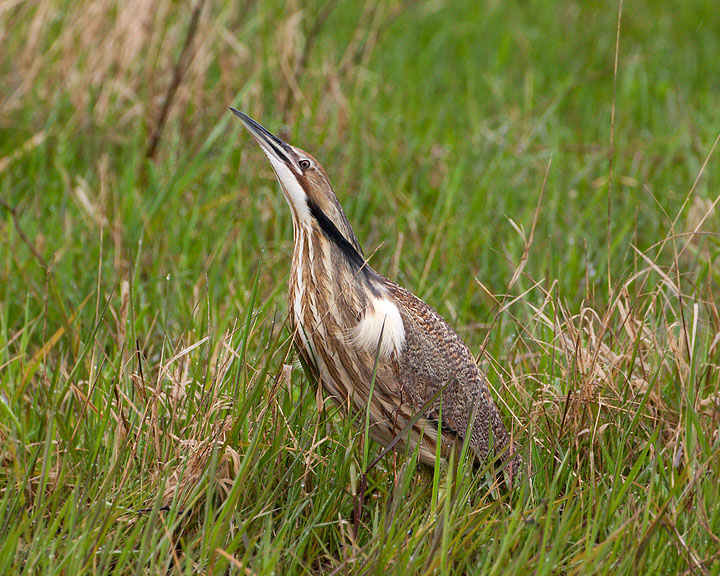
(377, 350)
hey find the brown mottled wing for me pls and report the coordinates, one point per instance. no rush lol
(434, 355)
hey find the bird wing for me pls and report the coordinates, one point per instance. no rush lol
(434, 358)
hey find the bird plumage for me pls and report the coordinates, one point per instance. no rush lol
(355, 329)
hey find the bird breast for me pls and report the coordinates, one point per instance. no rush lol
(327, 302)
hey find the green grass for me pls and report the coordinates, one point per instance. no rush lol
(153, 417)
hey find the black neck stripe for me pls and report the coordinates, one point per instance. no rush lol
(348, 250)
(332, 232)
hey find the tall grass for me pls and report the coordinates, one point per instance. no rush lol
(153, 418)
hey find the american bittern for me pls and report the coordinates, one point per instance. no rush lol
(355, 329)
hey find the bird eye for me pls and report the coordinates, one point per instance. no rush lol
(304, 164)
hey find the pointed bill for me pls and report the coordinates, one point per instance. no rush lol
(270, 144)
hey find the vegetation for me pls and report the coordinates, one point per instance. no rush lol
(545, 179)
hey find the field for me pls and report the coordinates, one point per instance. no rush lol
(543, 173)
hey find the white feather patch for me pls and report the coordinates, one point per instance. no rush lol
(381, 317)
(294, 193)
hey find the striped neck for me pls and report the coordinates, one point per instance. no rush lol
(329, 287)
(343, 251)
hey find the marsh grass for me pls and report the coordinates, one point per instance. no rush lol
(153, 417)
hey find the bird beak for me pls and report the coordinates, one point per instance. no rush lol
(270, 144)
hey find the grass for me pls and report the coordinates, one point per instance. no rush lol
(153, 418)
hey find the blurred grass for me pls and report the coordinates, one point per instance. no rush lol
(152, 418)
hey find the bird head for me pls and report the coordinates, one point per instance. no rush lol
(305, 185)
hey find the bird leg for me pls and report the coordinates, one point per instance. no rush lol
(359, 502)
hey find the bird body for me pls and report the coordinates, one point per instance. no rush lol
(374, 347)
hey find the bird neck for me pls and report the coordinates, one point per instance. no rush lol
(335, 293)
(333, 259)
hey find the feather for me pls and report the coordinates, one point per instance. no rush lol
(381, 320)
